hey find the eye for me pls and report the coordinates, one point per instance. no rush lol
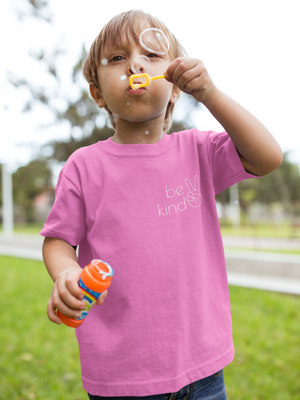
(152, 55)
(117, 58)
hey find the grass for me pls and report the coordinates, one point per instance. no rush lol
(285, 231)
(26, 228)
(281, 251)
(259, 230)
(267, 354)
(39, 360)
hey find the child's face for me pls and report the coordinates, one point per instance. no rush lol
(140, 105)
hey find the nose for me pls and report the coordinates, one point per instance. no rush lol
(134, 68)
(140, 69)
(139, 65)
(130, 69)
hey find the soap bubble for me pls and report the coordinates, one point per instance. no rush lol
(147, 132)
(104, 61)
(154, 40)
(140, 65)
(123, 77)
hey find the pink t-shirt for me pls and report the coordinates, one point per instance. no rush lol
(149, 211)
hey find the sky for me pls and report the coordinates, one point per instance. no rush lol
(250, 49)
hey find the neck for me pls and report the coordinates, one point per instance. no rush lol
(148, 132)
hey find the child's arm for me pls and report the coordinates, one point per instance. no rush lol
(259, 152)
(66, 296)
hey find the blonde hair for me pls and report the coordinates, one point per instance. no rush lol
(120, 26)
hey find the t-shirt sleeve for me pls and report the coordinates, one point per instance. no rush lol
(227, 168)
(66, 219)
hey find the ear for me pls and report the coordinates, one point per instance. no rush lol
(175, 94)
(97, 95)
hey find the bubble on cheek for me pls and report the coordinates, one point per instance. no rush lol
(123, 77)
(146, 132)
(128, 104)
(104, 61)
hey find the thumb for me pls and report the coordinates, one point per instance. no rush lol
(101, 298)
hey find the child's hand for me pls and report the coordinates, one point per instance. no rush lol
(191, 76)
(67, 297)
(101, 298)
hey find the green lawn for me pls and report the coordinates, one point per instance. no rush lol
(40, 360)
(26, 228)
(281, 251)
(264, 230)
(259, 230)
(266, 333)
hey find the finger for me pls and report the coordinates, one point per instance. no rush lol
(169, 72)
(189, 75)
(52, 314)
(101, 298)
(66, 303)
(198, 87)
(67, 291)
(185, 71)
(62, 295)
(66, 310)
(191, 80)
(71, 282)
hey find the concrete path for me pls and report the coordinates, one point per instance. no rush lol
(24, 246)
(261, 270)
(269, 271)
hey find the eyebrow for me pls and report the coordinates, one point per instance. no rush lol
(120, 46)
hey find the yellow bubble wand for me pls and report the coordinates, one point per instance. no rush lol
(148, 78)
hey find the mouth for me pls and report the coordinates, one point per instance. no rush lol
(136, 91)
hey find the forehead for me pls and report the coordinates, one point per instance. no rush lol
(118, 36)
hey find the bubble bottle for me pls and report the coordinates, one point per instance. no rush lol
(95, 278)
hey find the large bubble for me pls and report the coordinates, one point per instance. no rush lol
(154, 40)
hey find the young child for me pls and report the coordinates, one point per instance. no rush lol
(144, 202)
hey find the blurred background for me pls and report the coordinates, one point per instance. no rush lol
(251, 53)
(250, 48)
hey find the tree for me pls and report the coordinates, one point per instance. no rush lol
(33, 8)
(282, 185)
(1, 199)
(28, 182)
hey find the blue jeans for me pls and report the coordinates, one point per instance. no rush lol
(210, 388)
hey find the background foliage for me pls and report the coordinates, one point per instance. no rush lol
(88, 124)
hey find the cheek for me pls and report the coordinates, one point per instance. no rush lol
(166, 91)
(110, 92)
